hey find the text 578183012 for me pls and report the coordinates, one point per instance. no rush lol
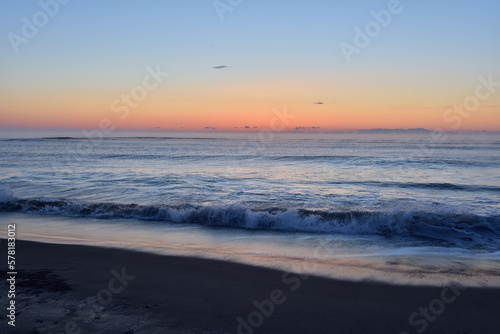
(11, 274)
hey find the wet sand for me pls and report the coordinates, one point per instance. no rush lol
(85, 289)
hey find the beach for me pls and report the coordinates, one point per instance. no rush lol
(209, 235)
(85, 289)
(245, 167)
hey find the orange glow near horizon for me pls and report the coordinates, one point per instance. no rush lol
(328, 119)
(173, 66)
(234, 107)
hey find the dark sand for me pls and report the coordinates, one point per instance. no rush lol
(62, 286)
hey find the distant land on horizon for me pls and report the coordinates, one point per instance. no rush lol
(61, 133)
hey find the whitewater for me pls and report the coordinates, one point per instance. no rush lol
(379, 203)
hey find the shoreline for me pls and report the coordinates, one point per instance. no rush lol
(341, 257)
(66, 288)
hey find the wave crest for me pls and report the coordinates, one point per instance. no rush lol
(448, 227)
(6, 194)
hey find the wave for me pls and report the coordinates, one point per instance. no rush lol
(435, 186)
(246, 154)
(132, 137)
(313, 157)
(447, 228)
(6, 194)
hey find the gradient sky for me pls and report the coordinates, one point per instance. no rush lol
(280, 53)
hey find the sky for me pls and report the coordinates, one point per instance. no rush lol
(241, 65)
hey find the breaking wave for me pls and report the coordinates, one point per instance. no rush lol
(448, 228)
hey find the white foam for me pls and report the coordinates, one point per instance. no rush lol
(351, 257)
(6, 194)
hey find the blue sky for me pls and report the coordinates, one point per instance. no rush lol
(90, 45)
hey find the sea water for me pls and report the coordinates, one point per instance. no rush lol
(408, 207)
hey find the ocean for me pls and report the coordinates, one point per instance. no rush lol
(417, 207)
